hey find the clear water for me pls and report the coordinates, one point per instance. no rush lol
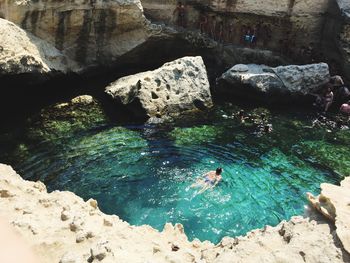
(143, 173)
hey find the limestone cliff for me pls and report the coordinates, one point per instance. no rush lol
(88, 32)
(22, 52)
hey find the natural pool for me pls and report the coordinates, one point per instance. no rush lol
(143, 173)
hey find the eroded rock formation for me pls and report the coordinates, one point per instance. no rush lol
(281, 82)
(21, 52)
(88, 32)
(178, 86)
(61, 227)
(334, 203)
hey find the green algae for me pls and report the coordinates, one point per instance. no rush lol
(65, 119)
(335, 157)
(198, 134)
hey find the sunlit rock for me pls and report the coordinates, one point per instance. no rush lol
(284, 82)
(178, 86)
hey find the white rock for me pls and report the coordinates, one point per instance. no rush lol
(177, 86)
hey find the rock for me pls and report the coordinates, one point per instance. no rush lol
(69, 257)
(21, 52)
(5, 193)
(298, 240)
(76, 224)
(59, 120)
(82, 100)
(65, 215)
(40, 186)
(339, 197)
(89, 234)
(89, 33)
(323, 205)
(92, 203)
(107, 222)
(283, 82)
(99, 251)
(178, 86)
(80, 237)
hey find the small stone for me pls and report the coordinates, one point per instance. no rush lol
(5, 193)
(99, 252)
(89, 234)
(80, 237)
(107, 222)
(83, 100)
(69, 258)
(156, 249)
(40, 186)
(174, 247)
(45, 202)
(65, 215)
(76, 224)
(93, 203)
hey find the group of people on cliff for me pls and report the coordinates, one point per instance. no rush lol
(334, 93)
(225, 30)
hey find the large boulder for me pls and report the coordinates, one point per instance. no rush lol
(177, 86)
(88, 32)
(282, 82)
(21, 52)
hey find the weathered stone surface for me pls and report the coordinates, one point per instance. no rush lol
(22, 52)
(284, 80)
(177, 86)
(334, 204)
(94, 32)
(298, 240)
(62, 119)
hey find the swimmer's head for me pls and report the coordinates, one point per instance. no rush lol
(218, 170)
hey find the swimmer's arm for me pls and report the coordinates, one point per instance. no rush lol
(217, 181)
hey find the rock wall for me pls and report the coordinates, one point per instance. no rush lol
(61, 227)
(89, 32)
(299, 21)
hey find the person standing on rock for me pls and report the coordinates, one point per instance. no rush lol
(181, 14)
(203, 23)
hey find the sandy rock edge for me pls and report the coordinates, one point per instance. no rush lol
(62, 227)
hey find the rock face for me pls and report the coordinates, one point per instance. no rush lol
(177, 86)
(22, 52)
(61, 227)
(283, 81)
(334, 203)
(285, 19)
(88, 32)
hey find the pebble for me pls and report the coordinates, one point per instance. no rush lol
(80, 237)
(65, 215)
(5, 193)
(107, 222)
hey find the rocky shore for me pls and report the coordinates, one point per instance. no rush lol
(62, 227)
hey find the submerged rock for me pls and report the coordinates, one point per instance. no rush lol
(178, 86)
(82, 112)
(282, 82)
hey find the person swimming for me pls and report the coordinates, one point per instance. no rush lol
(210, 180)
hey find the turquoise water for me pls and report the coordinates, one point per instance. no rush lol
(144, 173)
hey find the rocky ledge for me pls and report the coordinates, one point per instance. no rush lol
(62, 227)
